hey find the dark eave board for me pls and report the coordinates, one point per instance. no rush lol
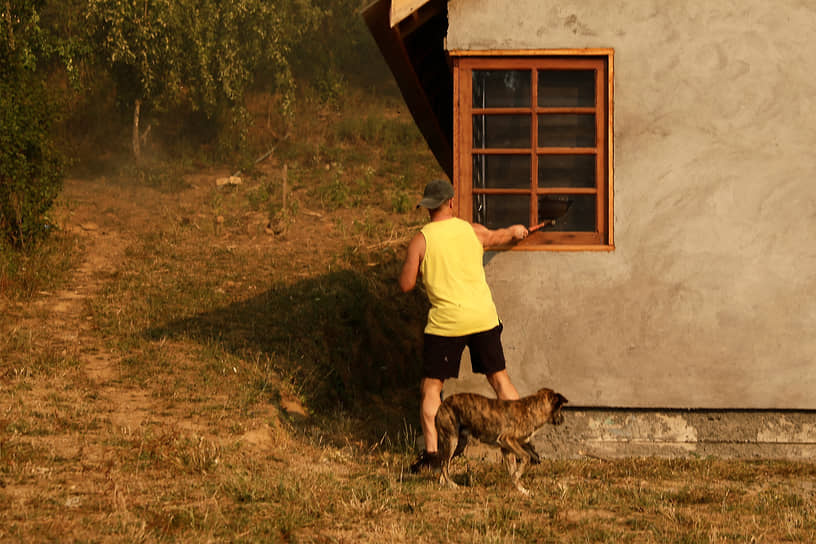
(414, 51)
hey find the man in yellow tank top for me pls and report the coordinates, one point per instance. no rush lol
(448, 252)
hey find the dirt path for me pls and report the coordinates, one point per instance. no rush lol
(93, 419)
(63, 321)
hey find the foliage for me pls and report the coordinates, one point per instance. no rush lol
(180, 71)
(340, 53)
(136, 40)
(226, 43)
(30, 166)
(199, 55)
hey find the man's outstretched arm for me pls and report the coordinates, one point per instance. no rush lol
(499, 237)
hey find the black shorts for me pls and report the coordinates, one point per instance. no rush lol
(441, 355)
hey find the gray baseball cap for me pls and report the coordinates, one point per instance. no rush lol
(436, 193)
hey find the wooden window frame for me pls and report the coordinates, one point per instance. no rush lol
(464, 62)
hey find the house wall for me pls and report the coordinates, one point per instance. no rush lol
(707, 300)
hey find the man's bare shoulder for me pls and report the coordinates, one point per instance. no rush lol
(482, 232)
(418, 238)
(416, 247)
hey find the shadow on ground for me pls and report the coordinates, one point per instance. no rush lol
(348, 340)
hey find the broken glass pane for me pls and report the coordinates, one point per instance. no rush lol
(571, 212)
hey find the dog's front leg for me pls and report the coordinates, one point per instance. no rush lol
(535, 458)
(520, 466)
(515, 467)
(509, 461)
(519, 456)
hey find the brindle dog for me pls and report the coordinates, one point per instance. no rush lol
(508, 424)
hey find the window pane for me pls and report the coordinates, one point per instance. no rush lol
(501, 131)
(566, 88)
(571, 213)
(501, 171)
(566, 170)
(566, 130)
(499, 211)
(501, 88)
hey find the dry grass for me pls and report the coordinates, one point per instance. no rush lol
(154, 392)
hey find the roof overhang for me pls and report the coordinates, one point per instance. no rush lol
(411, 37)
(400, 9)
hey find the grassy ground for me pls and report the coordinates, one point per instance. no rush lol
(193, 363)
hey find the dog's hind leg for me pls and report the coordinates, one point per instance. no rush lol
(447, 442)
(444, 477)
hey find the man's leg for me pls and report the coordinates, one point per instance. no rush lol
(501, 384)
(440, 358)
(431, 389)
(487, 357)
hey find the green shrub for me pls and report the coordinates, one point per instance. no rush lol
(30, 167)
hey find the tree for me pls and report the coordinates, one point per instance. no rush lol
(31, 168)
(202, 54)
(137, 42)
(338, 53)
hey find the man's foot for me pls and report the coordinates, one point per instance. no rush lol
(425, 460)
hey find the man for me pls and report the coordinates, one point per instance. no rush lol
(448, 253)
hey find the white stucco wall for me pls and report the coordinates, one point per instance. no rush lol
(709, 299)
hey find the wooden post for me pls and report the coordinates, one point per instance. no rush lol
(285, 185)
(137, 149)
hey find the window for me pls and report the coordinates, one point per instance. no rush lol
(533, 144)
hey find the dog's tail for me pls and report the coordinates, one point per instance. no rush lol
(447, 430)
(445, 418)
(452, 437)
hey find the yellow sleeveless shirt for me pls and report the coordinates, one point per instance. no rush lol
(454, 278)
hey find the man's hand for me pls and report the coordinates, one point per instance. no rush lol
(519, 232)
